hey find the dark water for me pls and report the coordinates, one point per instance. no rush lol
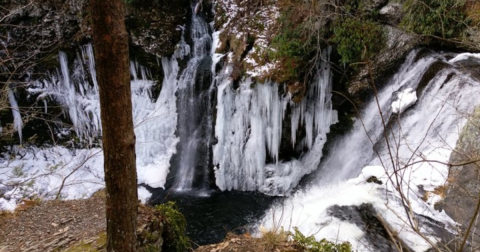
(211, 217)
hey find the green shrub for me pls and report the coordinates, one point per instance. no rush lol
(443, 18)
(357, 39)
(309, 244)
(291, 47)
(175, 239)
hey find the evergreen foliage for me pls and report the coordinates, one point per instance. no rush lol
(357, 39)
(292, 45)
(443, 18)
(309, 244)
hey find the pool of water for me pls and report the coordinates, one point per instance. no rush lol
(212, 214)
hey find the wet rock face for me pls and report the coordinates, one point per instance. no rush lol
(392, 13)
(32, 30)
(386, 62)
(373, 4)
(365, 217)
(464, 180)
(155, 25)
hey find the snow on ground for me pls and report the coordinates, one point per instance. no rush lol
(34, 172)
(71, 173)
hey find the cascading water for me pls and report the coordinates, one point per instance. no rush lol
(429, 129)
(195, 112)
(357, 145)
(421, 137)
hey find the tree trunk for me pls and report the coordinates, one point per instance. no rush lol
(112, 63)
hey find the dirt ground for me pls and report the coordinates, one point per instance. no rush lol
(245, 243)
(52, 225)
(79, 225)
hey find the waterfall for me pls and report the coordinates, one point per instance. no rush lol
(430, 127)
(195, 111)
(421, 137)
(249, 128)
(357, 145)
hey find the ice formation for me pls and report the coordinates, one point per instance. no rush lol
(405, 99)
(17, 117)
(155, 124)
(79, 99)
(249, 128)
(41, 171)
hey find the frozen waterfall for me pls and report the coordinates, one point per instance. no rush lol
(73, 92)
(249, 128)
(75, 89)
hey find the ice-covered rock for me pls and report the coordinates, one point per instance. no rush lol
(405, 99)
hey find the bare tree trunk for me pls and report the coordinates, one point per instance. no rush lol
(112, 63)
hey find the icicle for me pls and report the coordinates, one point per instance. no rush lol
(17, 117)
(133, 70)
(249, 127)
(45, 105)
(69, 88)
(87, 53)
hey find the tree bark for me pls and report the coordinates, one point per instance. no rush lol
(112, 64)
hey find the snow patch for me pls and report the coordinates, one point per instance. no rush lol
(143, 194)
(464, 56)
(405, 99)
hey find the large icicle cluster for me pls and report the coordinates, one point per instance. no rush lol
(76, 90)
(72, 91)
(249, 127)
(155, 124)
